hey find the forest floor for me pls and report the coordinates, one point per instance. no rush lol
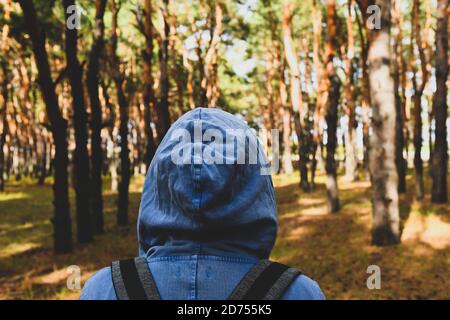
(333, 249)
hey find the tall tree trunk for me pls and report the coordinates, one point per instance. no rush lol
(162, 110)
(386, 221)
(274, 80)
(177, 59)
(397, 69)
(331, 114)
(210, 80)
(61, 221)
(44, 152)
(190, 79)
(80, 157)
(417, 97)
(440, 154)
(285, 115)
(269, 120)
(428, 45)
(365, 90)
(123, 201)
(96, 118)
(4, 89)
(122, 215)
(4, 121)
(202, 100)
(351, 159)
(317, 149)
(418, 163)
(296, 93)
(149, 95)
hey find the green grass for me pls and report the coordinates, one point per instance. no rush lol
(333, 249)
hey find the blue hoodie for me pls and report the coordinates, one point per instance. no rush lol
(207, 212)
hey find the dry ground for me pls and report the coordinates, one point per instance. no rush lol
(334, 249)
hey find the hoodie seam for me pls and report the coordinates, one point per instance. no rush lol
(200, 168)
(193, 278)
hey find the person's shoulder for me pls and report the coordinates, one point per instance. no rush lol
(99, 286)
(303, 288)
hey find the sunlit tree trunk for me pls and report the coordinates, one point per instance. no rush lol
(331, 113)
(61, 220)
(295, 86)
(428, 39)
(4, 123)
(363, 32)
(177, 60)
(317, 154)
(285, 115)
(4, 89)
(418, 87)
(112, 149)
(440, 153)
(30, 131)
(274, 80)
(210, 80)
(351, 159)
(202, 99)
(385, 225)
(268, 113)
(190, 79)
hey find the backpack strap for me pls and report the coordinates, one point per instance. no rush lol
(133, 280)
(267, 280)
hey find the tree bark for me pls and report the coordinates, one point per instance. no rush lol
(61, 221)
(285, 115)
(149, 94)
(331, 114)
(417, 97)
(210, 81)
(363, 32)
(440, 154)
(162, 110)
(4, 89)
(177, 60)
(3, 116)
(269, 120)
(295, 85)
(351, 159)
(385, 227)
(317, 149)
(398, 72)
(96, 118)
(43, 165)
(123, 201)
(80, 156)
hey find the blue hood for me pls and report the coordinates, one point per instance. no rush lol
(192, 206)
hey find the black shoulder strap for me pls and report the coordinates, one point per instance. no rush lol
(133, 280)
(265, 281)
